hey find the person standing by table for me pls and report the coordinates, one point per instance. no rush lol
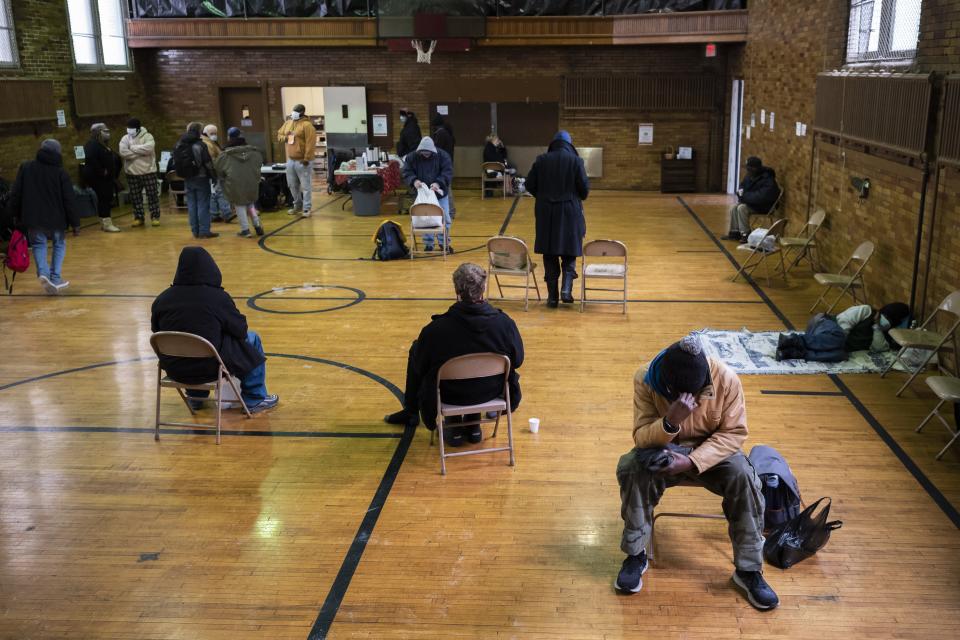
(558, 180)
(101, 167)
(300, 140)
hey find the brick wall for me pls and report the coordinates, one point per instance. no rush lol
(184, 86)
(788, 44)
(43, 42)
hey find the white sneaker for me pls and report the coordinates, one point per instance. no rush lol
(48, 286)
(305, 214)
(292, 211)
(106, 224)
(60, 286)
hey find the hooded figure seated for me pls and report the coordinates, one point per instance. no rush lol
(689, 424)
(757, 194)
(197, 304)
(471, 325)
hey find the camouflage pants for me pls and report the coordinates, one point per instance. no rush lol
(734, 480)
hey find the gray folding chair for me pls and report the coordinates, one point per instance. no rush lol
(497, 181)
(947, 390)
(750, 265)
(510, 256)
(758, 220)
(188, 345)
(603, 270)
(652, 545)
(805, 245)
(467, 367)
(928, 340)
(848, 280)
(427, 219)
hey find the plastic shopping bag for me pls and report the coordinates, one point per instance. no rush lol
(801, 537)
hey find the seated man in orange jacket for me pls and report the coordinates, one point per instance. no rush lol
(689, 422)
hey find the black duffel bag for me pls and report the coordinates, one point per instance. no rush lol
(801, 537)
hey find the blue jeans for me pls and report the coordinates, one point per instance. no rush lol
(38, 244)
(198, 204)
(253, 386)
(447, 220)
(299, 179)
(218, 203)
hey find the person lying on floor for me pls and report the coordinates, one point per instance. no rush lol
(196, 303)
(689, 424)
(471, 325)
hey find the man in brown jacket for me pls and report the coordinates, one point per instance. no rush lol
(299, 138)
(689, 423)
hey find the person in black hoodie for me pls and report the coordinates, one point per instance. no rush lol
(471, 325)
(42, 201)
(101, 167)
(558, 180)
(757, 194)
(410, 135)
(198, 185)
(196, 303)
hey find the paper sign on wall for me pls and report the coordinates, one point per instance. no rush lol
(771, 120)
(443, 109)
(79, 153)
(646, 134)
(753, 119)
(61, 118)
(246, 122)
(684, 153)
(799, 129)
(804, 128)
(748, 132)
(380, 125)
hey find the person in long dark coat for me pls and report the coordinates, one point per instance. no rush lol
(558, 180)
(196, 303)
(410, 135)
(444, 139)
(101, 167)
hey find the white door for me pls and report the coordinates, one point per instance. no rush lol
(736, 136)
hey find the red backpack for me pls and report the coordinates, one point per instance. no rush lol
(17, 258)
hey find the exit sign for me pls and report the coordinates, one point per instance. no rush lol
(711, 50)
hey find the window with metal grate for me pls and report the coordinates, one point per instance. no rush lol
(883, 30)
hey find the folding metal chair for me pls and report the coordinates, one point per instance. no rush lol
(925, 339)
(467, 367)
(510, 256)
(178, 197)
(769, 215)
(805, 244)
(749, 266)
(847, 282)
(485, 179)
(603, 270)
(188, 345)
(651, 547)
(427, 219)
(947, 390)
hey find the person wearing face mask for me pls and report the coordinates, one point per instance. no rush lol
(410, 134)
(689, 425)
(138, 151)
(220, 210)
(432, 167)
(101, 167)
(300, 139)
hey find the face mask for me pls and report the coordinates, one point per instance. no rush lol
(884, 324)
(295, 115)
(214, 137)
(105, 135)
(131, 132)
(403, 119)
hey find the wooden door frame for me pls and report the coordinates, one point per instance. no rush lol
(262, 87)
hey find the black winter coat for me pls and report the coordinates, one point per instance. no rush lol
(410, 137)
(200, 154)
(466, 328)
(196, 303)
(761, 191)
(559, 182)
(42, 195)
(444, 139)
(437, 168)
(100, 165)
(495, 153)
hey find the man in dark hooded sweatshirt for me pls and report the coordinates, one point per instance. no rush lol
(197, 304)
(444, 139)
(558, 180)
(757, 194)
(410, 134)
(471, 325)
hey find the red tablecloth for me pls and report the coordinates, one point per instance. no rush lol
(390, 175)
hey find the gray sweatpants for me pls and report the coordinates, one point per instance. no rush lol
(734, 479)
(740, 218)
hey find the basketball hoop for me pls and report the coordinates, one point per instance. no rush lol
(423, 54)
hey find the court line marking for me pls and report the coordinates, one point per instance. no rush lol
(226, 432)
(935, 494)
(785, 392)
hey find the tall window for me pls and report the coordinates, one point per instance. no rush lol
(883, 30)
(96, 28)
(8, 41)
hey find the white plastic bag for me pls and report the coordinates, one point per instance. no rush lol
(769, 244)
(426, 196)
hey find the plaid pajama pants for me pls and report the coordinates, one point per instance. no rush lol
(137, 186)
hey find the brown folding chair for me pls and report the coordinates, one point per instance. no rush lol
(603, 270)
(427, 219)
(947, 390)
(178, 197)
(750, 265)
(510, 256)
(188, 345)
(805, 244)
(486, 180)
(769, 215)
(926, 339)
(467, 367)
(846, 280)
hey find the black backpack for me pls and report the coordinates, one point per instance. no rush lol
(184, 160)
(389, 241)
(267, 198)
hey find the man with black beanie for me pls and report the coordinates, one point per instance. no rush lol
(683, 398)
(757, 194)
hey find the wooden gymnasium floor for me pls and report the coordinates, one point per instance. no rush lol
(318, 520)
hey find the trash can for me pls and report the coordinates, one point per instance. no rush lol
(365, 191)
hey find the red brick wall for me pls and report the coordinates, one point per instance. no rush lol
(184, 83)
(43, 42)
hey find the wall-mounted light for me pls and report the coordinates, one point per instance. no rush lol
(861, 186)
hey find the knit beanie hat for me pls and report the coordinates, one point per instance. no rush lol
(683, 367)
(895, 313)
(754, 162)
(133, 123)
(50, 145)
(233, 132)
(563, 135)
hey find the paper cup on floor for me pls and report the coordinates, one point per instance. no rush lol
(534, 425)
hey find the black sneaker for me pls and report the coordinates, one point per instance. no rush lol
(195, 403)
(244, 233)
(474, 433)
(403, 417)
(209, 234)
(259, 229)
(629, 580)
(736, 236)
(449, 249)
(758, 592)
(453, 436)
